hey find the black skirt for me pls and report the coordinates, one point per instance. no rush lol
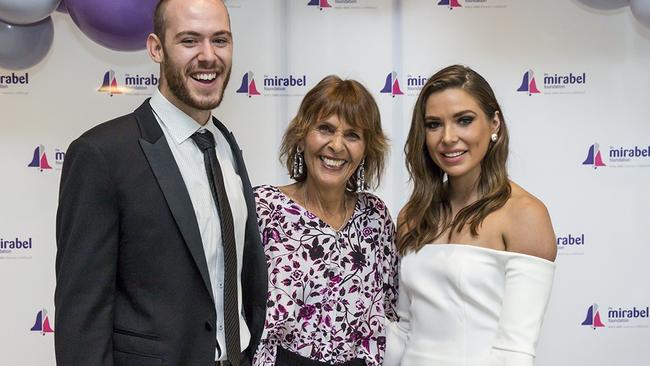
(288, 358)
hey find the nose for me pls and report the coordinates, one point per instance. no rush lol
(336, 143)
(206, 52)
(449, 136)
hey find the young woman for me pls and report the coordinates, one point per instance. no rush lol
(477, 249)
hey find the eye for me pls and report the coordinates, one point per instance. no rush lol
(221, 41)
(324, 128)
(465, 120)
(353, 136)
(188, 41)
(431, 124)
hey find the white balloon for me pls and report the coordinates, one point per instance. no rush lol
(23, 46)
(26, 11)
(605, 4)
(641, 11)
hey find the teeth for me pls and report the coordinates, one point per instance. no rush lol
(454, 154)
(332, 162)
(206, 76)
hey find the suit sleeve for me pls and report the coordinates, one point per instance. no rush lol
(87, 234)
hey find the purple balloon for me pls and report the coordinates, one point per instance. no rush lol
(121, 25)
(61, 8)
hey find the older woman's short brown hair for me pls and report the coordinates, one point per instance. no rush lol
(351, 102)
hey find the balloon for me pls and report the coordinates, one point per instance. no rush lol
(61, 8)
(641, 11)
(605, 4)
(24, 46)
(121, 25)
(26, 11)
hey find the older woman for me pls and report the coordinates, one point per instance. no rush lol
(328, 243)
(478, 250)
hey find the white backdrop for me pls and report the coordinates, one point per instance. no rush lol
(603, 202)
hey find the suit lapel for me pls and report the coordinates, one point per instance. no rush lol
(162, 162)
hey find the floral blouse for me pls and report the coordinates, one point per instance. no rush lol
(329, 291)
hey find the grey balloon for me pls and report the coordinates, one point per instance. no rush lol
(26, 11)
(641, 11)
(605, 4)
(24, 46)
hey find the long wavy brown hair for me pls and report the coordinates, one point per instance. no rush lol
(427, 214)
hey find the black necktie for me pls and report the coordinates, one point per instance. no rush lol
(205, 142)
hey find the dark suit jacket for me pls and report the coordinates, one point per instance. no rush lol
(132, 283)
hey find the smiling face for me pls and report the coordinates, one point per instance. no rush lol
(457, 132)
(333, 150)
(195, 54)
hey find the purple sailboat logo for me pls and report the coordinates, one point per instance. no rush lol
(593, 317)
(40, 159)
(42, 323)
(320, 3)
(593, 157)
(392, 85)
(248, 85)
(109, 84)
(450, 3)
(528, 83)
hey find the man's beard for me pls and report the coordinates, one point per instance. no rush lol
(174, 78)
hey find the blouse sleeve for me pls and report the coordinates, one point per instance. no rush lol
(390, 269)
(528, 282)
(397, 332)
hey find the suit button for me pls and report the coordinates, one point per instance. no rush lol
(208, 326)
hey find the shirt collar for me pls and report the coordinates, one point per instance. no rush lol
(179, 125)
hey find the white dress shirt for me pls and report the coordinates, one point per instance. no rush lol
(177, 128)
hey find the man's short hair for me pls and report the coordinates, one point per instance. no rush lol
(159, 19)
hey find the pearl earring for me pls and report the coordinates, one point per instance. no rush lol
(494, 137)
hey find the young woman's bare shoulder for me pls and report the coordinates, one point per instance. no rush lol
(528, 229)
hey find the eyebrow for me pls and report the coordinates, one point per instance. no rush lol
(457, 114)
(196, 34)
(330, 124)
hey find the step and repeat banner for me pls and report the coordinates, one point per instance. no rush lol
(572, 77)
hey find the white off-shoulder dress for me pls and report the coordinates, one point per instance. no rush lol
(463, 305)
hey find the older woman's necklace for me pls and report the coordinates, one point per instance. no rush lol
(345, 209)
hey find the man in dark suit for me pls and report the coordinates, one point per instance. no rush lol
(159, 258)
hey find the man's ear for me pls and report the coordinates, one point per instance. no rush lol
(155, 48)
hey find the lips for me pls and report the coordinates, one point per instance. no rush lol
(204, 77)
(451, 157)
(332, 163)
(453, 154)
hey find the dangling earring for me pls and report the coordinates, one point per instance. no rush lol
(494, 137)
(361, 176)
(298, 168)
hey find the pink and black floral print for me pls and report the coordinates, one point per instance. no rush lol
(330, 291)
